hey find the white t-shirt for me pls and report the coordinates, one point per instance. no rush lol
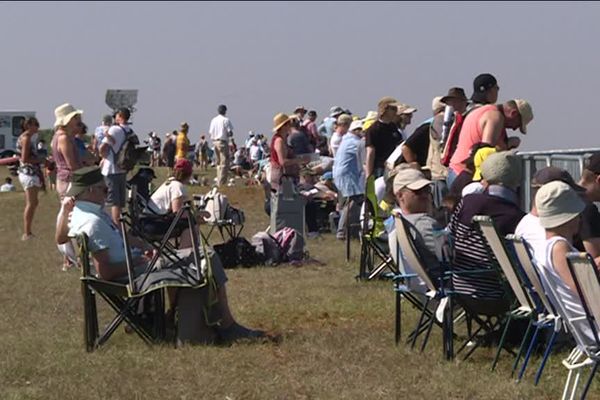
(336, 139)
(219, 128)
(7, 187)
(529, 228)
(255, 152)
(109, 166)
(166, 193)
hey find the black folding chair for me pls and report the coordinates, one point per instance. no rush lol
(126, 295)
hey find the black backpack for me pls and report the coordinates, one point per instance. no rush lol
(129, 153)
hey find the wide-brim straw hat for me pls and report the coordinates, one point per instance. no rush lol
(64, 113)
(280, 120)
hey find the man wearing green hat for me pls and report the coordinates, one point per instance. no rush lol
(84, 202)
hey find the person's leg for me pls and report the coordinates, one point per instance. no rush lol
(354, 214)
(310, 212)
(31, 203)
(451, 177)
(341, 228)
(218, 156)
(226, 163)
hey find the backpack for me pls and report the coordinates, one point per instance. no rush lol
(129, 153)
(216, 204)
(267, 248)
(452, 140)
(291, 243)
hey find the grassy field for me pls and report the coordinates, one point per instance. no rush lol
(337, 334)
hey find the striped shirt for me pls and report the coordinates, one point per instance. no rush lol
(470, 250)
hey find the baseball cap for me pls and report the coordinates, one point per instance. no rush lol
(549, 174)
(481, 84)
(184, 165)
(526, 113)
(410, 178)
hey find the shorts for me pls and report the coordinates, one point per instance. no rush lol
(29, 181)
(116, 184)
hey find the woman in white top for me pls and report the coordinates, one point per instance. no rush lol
(168, 199)
(559, 208)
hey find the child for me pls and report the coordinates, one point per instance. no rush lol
(50, 169)
(8, 186)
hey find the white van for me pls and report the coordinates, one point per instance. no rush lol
(10, 127)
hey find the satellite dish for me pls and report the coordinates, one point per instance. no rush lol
(117, 98)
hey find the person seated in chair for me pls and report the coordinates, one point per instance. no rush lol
(168, 199)
(559, 208)
(315, 199)
(412, 194)
(82, 212)
(501, 175)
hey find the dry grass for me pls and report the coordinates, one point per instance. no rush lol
(338, 334)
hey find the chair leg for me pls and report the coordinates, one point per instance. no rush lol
(530, 349)
(501, 344)
(538, 375)
(589, 381)
(90, 318)
(398, 316)
(521, 347)
(448, 331)
(419, 324)
(431, 321)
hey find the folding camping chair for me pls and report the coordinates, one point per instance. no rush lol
(525, 308)
(548, 318)
(584, 271)
(225, 219)
(374, 254)
(436, 292)
(126, 295)
(489, 314)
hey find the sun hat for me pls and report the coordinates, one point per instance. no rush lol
(502, 168)
(481, 84)
(455, 93)
(557, 203)
(335, 111)
(479, 158)
(300, 108)
(64, 113)
(549, 174)
(356, 124)
(437, 104)
(82, 179)
(184, 165)
(526, 113)
(279, 120)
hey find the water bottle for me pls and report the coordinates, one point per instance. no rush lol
(447, 124)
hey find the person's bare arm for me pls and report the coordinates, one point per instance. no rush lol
(370, 163)
(592, 246)
(68, 151)
(105, 268)
(408, 154)
(559, 260)
(61, 235)
(491, 125)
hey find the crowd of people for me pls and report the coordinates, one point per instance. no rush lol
(459, 162)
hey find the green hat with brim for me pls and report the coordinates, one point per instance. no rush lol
(82, 179)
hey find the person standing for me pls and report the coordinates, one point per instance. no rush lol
(220, 130)
(183, 143)
(30, 174)
(169, 150)
(100, 131)
(114, 176)
(382, 137)
(64, 151)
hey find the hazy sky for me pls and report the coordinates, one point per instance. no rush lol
(261, 58)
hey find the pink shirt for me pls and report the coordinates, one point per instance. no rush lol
(471, 134)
